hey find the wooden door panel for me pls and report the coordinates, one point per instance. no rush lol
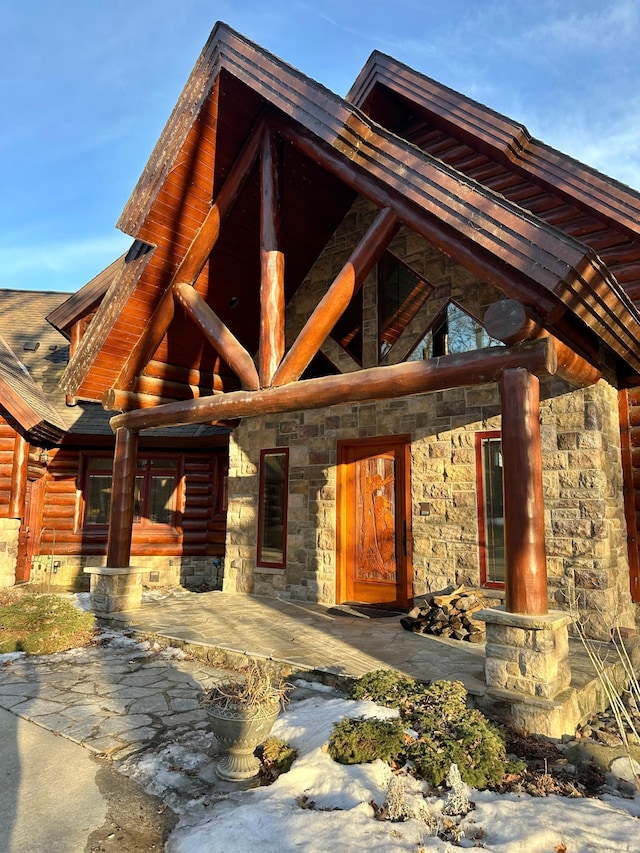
(373, 557)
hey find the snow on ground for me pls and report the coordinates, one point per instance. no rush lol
(321, 806)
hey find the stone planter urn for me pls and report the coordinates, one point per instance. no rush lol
(242, 711)
(240, 730)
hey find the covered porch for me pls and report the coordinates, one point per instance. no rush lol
(321, 643)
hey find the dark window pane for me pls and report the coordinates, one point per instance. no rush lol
(493, 509)
(98, 499)
(272, 518)
(401, 294)
(348, 330)
(161, 499)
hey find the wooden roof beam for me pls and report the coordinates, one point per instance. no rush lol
(337, 298)
(483, 264)
(376, 383)
(195, 258)
(218, 334)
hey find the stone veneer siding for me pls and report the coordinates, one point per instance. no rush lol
(157, 572)
(584, 515)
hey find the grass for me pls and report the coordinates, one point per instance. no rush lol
(42, 624)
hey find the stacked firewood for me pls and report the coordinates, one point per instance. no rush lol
(449, 613)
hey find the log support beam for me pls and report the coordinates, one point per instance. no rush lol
(122, 499)
(218, 335)
(271, 264)
(376, 383)
(525, 553)
(513, 323)
(337, 298)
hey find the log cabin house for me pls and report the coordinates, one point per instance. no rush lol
(418, 325)
(56, 458)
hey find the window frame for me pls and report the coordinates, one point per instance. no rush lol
(260, 561)
(483, 545)
(149, 471)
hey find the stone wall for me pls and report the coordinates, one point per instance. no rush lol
(9, 529)
(585, 528)
(67, 571)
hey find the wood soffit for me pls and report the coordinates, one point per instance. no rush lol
(233, 82)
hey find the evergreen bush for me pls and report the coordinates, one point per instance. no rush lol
(447, 731)
(361, 740)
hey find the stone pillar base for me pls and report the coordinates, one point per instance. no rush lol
(526, 654)
(114, 589)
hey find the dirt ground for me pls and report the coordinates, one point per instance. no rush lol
(136, 822)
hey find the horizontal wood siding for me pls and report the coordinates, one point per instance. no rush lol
(201, 533)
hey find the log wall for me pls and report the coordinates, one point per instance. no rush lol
(201, 533)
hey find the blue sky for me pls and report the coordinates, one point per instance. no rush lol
(86, 88)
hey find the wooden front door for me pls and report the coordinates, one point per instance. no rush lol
(28, 531)
(374, 522)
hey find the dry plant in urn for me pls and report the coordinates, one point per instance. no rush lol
(242, 711)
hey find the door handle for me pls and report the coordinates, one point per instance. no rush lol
(404, 536)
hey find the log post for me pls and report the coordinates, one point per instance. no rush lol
(271, 264)
(525, 554)
(122, 498)
(18, 477)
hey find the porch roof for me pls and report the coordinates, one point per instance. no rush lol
(331, 151)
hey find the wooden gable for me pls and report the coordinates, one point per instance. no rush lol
(254, 171)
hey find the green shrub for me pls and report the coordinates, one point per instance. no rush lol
(277, 756)
(43, 624)
(387, 687)
(448, 732)
(363, 740)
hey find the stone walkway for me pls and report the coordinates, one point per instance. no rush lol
(309, 637)
(113, 698)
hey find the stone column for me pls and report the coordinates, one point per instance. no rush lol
(114, 589)
(526, 654)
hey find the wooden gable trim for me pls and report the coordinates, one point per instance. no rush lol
(31, 421)
(535, 262)
(120, 289)
(506, 139)
(84, 301)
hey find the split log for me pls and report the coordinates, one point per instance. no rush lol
(448, 613)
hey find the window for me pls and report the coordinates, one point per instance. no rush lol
(453, 331)
(155, 496)
(490, 508)
(272, 508)
(401, 294)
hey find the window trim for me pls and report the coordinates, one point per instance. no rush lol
(483, 547)
(262, 563)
